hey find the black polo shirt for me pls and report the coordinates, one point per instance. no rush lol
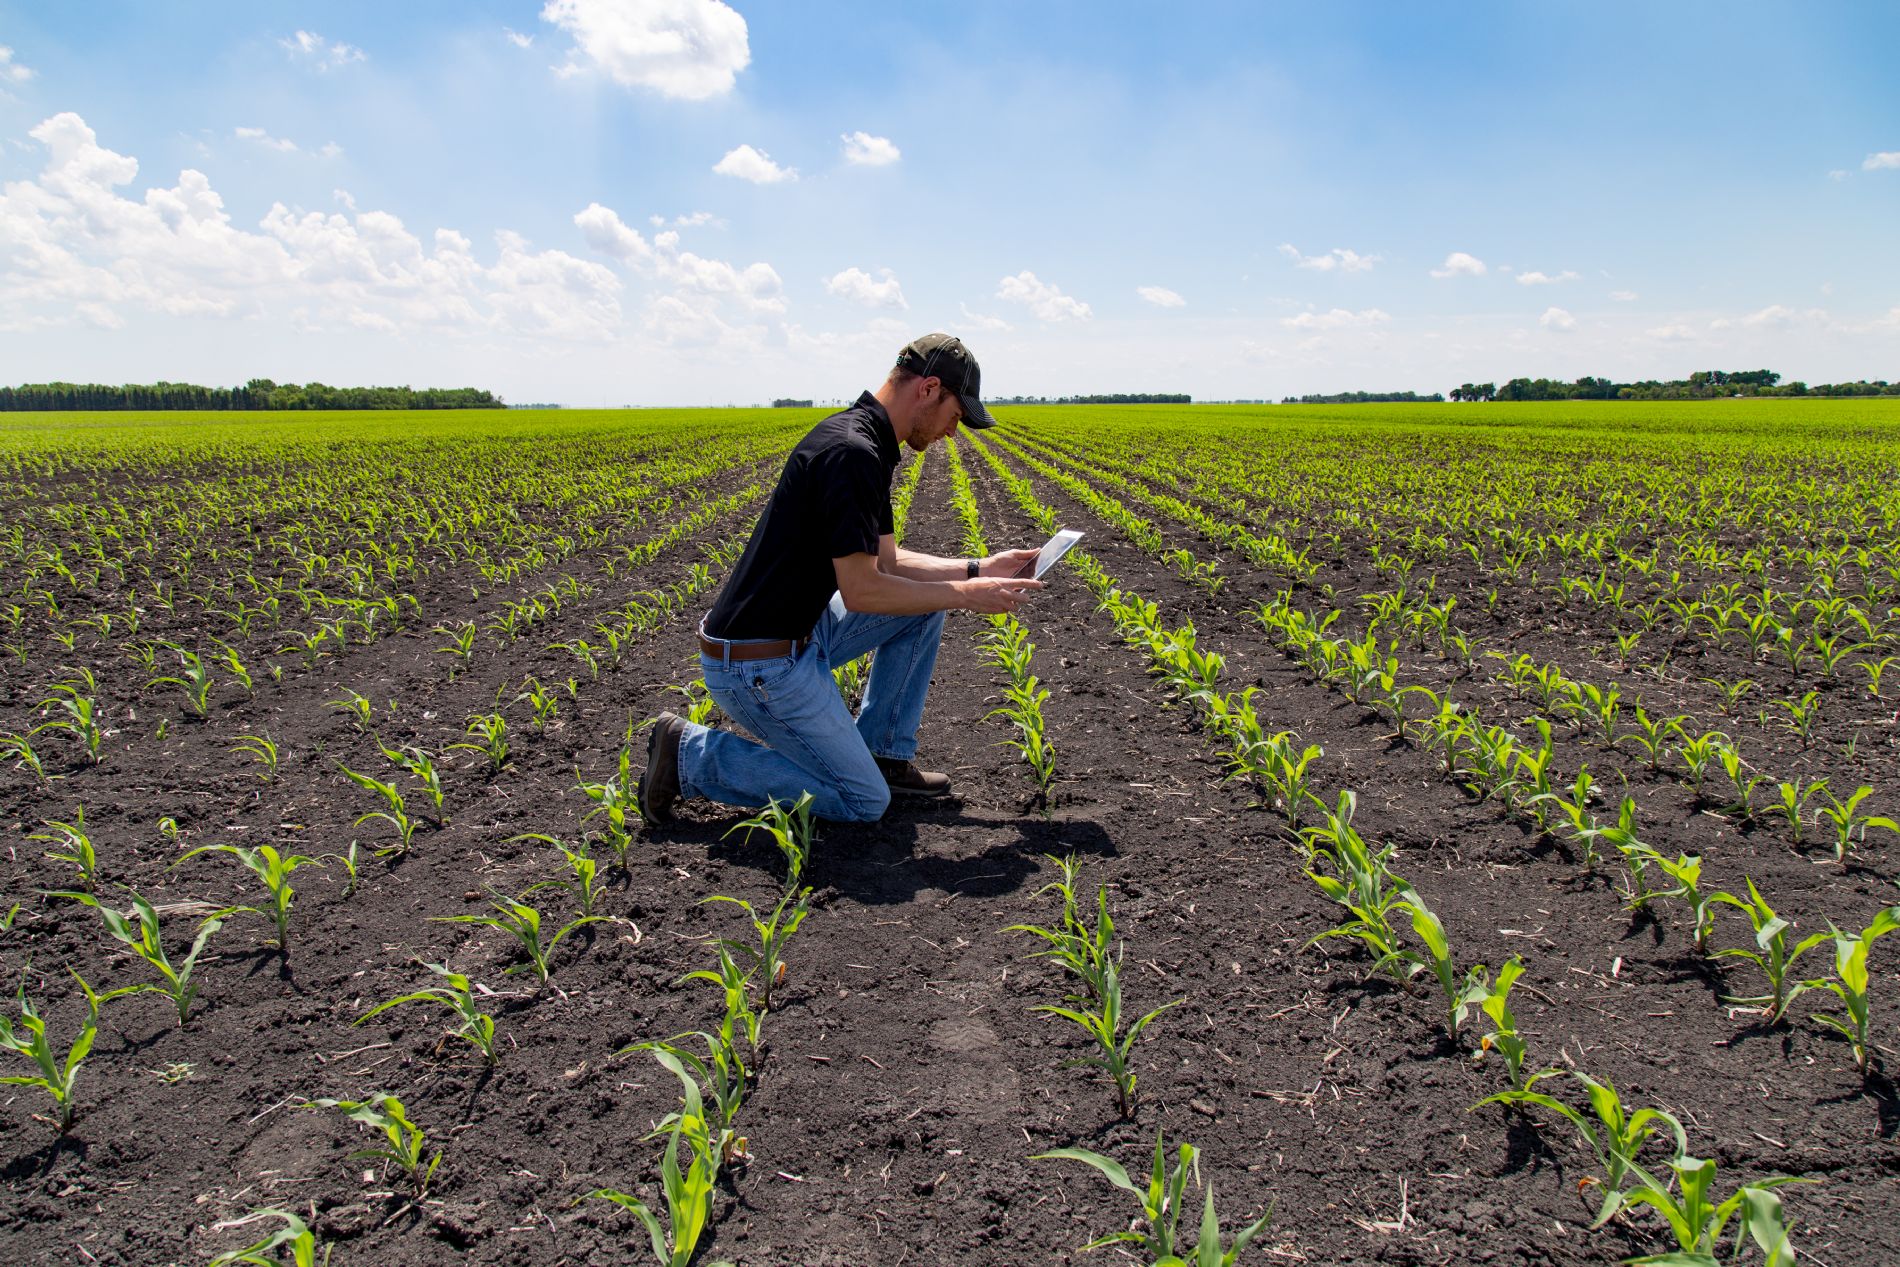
(833, 498)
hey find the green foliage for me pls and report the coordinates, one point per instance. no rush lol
(1157, 1234)
(404, 1143)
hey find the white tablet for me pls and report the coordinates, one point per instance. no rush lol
(1057, 546)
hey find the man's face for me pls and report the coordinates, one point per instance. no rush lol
(940, 417)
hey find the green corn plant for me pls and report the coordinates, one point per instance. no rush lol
(404, 1142)
(617, 798)
(740, 1018)
(1771, 953)
(239, 671)
(1116, 1042)
(790, 826)
(523, 923)
(476, 1028)
(414, 761)
(57, 1075)
(1851, 826)
(585, 887)
(348, 859)
(273, 871)
(82, 716)
(1698, 1222)
(307, 645)
(192, 678)
(1495, 1002)
(723, 1077)
(1601, 704)
(1733, 766)
(1611, 1131)
(1850, 985)
(354, 706)
(1362, 884)
(1698, 753)
(1024, 712)
(1076, 945)
(1162, 1202)
(144, 940)
(19, 750)
(700, 707)
(586, 652)
(1651, 738)
(688, 1192)
(771, 933)
(1874, 669)
(1804, 716)
(263, 751)
(73, 839)
(1462, 993)
(1575, 809)
(395, 812)
(294, 1236)
(492, 730)
(461, 645)
(543, 705)
(1794, 798)
(1732, 693)
(1686, 871)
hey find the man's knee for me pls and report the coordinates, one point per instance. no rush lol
(866, 803)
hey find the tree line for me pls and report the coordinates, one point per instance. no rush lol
(1115, 398)
(1701, 385)
(1365, 398)
(259, 393)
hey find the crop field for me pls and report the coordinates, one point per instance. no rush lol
(1427, 834)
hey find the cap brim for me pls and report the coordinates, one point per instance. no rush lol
(974, 415)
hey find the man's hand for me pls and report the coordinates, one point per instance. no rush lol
(991, 595)
(1010, 563)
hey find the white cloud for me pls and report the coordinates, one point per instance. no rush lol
(1624, 296)
(72, 247)
(266, 140)
(11, 72)
(1336, 319)
(983, 321)
(756, 166)
(344, 198)
(1346, 261)
(517, 38)
(860, 287)
(1545, 279)
(699, 285)
(313, 49)
(1839, 174)
(1671, 333)
(1161, 296)
(1886, 158)
(869, 151)
(687, 49)
(1779, 316)
(1459, 264)
(1046, 301)
(691, 220)
(1558, 320)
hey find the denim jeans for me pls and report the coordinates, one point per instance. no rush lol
(809, 740)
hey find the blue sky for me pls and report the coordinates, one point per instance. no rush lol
(681, 201)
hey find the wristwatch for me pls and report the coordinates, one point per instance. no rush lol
(971, 566)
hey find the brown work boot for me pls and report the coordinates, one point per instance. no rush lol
(660, 786)
(905, 779)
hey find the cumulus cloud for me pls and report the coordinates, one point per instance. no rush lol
(869, 151)
(873, 292)
(691, 220)
(75, 248)
(702, 290)
(1346, 261)
(1161, 296)
(686, 49)
(1336, 319)
(756, 166)
(1042, 298)
(1556, 319)
(1624, 296)
(1459, 264)
(11, 72)
(1534, 278)
(1889, 159)
(308, 46)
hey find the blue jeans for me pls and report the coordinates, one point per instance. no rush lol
(809, 740)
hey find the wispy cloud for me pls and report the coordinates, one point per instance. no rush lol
(866, 150)
(1042, 298)
(1340, 258)
(1161, 296)
(312, 48)
(1889, 159)
(517, 38)
(1337, 319)
(1534, 278)
(11, 72)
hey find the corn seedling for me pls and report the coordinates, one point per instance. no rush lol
(617, 798)
(231, 661)
(1360, 882)
(1104, 1025)
(523, 923)
(1461, 993)
(1771, 953)
(585, 886)
(1612, 1132)
(78, 848)
(739, 1019)
(1850, 984)
(404, 1142)
(1023, 710)
(273, 871)
(395, 811)
(192, 678)
(354, 706)
(1794, 798)
(476, 1028)
(1744, 785)
(492, 730)
(1698, 1222)
(412, 760)
(700, 707)
(19, 750)
(461, 644)
(1494, 1000)
(57, 1076)
(1698, 753)
(1651, 738)
(1874, 669)
(294, 1236)
(688, 1192)
(543, 705)
(348, 859)
(1077, 946)
(1162, 1201)
(144, 940)
(1804, 716)
(1850, 825)
(772, 932)
(262, 751)
(81, 719)
(790, 826)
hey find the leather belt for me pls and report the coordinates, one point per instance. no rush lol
(719, 650)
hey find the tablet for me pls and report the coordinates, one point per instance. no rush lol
(1057, 546)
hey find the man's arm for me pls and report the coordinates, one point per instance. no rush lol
(918, 566)
(868, 587)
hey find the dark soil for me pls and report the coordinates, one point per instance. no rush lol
(907, 1081)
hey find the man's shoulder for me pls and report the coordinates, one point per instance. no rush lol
(848, 435)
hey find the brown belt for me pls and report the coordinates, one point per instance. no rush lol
(751, 650)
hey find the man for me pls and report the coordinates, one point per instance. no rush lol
(822, 582)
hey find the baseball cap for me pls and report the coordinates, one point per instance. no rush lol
(943, 357)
